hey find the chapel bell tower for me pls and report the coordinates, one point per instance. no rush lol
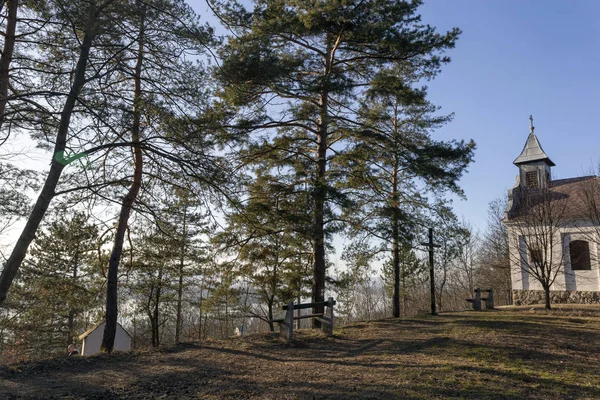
(534, 165)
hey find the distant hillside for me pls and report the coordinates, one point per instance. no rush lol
(506, 354)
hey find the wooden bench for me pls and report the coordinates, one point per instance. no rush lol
(286, 324)
(477, 299)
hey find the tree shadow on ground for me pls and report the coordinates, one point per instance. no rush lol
(461, 356)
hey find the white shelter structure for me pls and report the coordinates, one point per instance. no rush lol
(553, 231)
(92, 340)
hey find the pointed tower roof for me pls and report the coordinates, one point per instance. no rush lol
(532, 151)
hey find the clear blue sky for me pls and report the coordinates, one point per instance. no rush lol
(515, 58)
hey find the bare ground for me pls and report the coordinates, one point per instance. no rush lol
(507, 354)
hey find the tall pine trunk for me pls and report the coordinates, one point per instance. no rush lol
(110, 327)
(318, 283)
(396, 227)
(7, 54)
(155, 314)
(270, 302)
(396, 262)
(72, 311)
(178, 321)
(58, 161)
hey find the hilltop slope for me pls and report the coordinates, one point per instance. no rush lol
(492, 355)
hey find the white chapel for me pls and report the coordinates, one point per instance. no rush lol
(553, 231)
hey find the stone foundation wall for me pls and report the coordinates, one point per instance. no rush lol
(526, 297)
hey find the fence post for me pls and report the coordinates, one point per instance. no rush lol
(489, 302)
(477, 300)
(286, 328)
(330, 311)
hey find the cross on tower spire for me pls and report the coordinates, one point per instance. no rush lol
(531, 127)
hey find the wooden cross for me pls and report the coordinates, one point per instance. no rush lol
(430, 245)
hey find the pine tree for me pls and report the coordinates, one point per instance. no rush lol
(184, 225)
(394, 164)
(268, 235)
(411, 270)
(154, 279)
(310, 60)
(86, 22)
(59, 286)
(159, 113)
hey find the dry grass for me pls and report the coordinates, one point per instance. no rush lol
(507, 354)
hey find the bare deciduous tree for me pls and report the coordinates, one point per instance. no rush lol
(494, 260)
(535, 223)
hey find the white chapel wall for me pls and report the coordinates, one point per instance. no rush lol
(581, 280)
(567, 279)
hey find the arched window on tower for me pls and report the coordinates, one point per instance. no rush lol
(531, 180)
(579, 251)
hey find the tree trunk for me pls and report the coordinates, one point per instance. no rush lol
(444, 273)
(547, 297)
(110, 327)
(71, 318)
(395, 240)
(180, 283)
(509, 292)
(152, 327)
(179, 300)
(396, 263)
(225, 326)
(200, 323)
(318, 283)
(396, 224)
(270, 313)
(403, 293)
(56, 166)
(133, 339)
(7, 54)
(156, 312)
(149, 313)
(299, 311)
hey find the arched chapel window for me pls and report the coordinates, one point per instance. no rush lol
(536, 257)
(579, 251)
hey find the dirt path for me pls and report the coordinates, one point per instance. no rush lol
(493, 355)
